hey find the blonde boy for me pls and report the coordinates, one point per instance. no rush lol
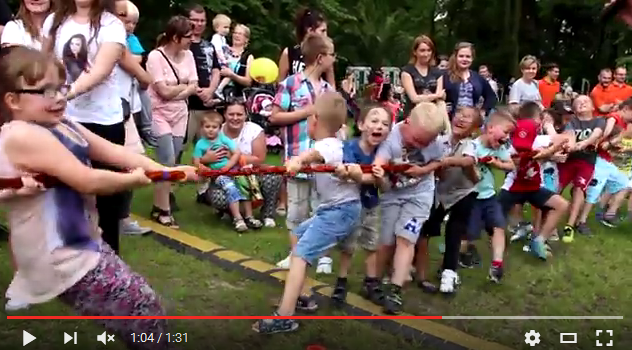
(408, 197)
(221, 26)
(335, 218)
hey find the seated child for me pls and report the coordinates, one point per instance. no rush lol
(374, 124)
(212, 144)
(337, 215)
(492, 152)
(408, 197)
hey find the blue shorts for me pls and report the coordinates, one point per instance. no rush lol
(486, 214)
(606, 176)
(328, 227)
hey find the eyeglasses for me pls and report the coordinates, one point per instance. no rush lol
(48, 92)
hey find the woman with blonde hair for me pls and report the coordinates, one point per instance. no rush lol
(526, 88)
(463, 86)
(25, 29)
(238, 63)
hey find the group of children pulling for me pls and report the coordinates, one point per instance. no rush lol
(451, 177)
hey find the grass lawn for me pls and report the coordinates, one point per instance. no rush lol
(585, 278)
(192, 287)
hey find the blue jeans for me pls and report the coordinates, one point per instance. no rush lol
(232, 192)
(328, 227)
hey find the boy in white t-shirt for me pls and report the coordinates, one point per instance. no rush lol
(221, 25)
(335, 218)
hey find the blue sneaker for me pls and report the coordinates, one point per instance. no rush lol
(538, 248)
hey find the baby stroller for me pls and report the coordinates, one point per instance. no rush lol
(259, 101)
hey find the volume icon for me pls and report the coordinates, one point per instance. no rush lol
(105, 338)
(68, 337)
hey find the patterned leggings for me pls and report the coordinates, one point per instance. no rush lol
(113, 289)
(270, 185)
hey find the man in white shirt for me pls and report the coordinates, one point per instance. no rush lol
(483, 70)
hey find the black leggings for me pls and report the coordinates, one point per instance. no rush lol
(455, 227)
(110, 207)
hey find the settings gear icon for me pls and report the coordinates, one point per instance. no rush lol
(532, 338)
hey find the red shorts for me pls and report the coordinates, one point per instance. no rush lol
(577, 171)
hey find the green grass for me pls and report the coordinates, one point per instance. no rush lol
(588, 277)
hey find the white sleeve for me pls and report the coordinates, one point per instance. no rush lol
(542, 141)
(514, 93)
(48, 23)
(216, 41)
(112, 31)
(330, 151)
(468, 150)
(13, 34)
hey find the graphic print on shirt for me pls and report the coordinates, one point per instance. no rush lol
(75, 57)
(415, 157)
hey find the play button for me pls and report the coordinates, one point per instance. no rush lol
(27, 338)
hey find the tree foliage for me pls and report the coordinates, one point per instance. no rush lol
(374, 33)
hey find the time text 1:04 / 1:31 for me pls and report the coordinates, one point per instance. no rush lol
(158, 337)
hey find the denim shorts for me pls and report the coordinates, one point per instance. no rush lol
(328, 227)
(487, 214)
(606, 176)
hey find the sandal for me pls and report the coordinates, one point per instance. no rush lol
(276, 325)
(427, 287)
(253, 223)
(305, 304)
(240, 225)
(163, 217)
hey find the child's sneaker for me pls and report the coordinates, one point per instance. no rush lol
(538, 248)
(610, 220)
(240, 225)
(495, 274)
(583, 229)
(449, 281)
(393, 303)
(569, 234)
(520, 232)
(372, 290)
(465, 260)
(253, 223)
(285, 263)
(271, 326)
(269, 222)
(555, 237)
(339, 295)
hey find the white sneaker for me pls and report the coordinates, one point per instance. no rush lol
(129, 227)
(269, 222)
(15, 305)
(324, 265)
(285, 263)
(555, 237)
(449, 281)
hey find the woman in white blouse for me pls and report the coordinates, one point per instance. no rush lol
(26, 28)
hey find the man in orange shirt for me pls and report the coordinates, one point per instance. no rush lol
(549, 86)
(603, 94)
(622, 90)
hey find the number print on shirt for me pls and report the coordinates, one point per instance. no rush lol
(582, 134)
(413, 226)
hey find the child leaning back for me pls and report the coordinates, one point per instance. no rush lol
(408, 197)
(335, 218)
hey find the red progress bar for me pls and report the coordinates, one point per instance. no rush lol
(223, 317)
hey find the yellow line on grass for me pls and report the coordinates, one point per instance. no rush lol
(435, 329)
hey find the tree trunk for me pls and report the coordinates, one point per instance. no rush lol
(515, 37)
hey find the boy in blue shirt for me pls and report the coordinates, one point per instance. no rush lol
(235, 188)
(374, 123)
(491, 152)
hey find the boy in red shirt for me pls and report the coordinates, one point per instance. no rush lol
(526, 183)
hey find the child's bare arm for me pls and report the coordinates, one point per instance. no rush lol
(233, 160)
(505, 165)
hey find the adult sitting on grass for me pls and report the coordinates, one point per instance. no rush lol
(250, 140)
